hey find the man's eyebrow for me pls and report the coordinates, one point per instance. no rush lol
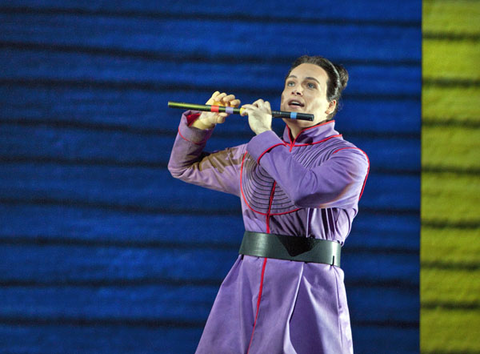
(312, 78)
(308, 78)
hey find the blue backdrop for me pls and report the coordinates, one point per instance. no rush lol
(101, 250)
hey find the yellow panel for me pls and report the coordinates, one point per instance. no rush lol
(440, 59)
(452, 147)
(451, 16)
(450, 330)
(451, 246)
(450, 197)
(451, 103)
(456, 287)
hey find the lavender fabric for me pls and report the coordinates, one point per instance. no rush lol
(307, 187)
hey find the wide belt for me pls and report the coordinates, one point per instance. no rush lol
(292, 248)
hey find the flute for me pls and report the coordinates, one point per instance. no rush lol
(232, 110)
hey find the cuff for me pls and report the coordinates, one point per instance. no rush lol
(263, 143)
(191, 134)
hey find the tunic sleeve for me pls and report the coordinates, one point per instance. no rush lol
(188, 162)
(336, 183)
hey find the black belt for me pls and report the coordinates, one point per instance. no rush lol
(300, 249)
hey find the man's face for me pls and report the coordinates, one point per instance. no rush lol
(306, 92)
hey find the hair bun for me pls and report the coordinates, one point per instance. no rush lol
(343, 73)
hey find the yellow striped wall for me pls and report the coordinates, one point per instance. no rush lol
(450, 233)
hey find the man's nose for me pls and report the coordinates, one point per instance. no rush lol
(297, 91)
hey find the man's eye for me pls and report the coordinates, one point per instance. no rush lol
(290, 83)
(312, 86)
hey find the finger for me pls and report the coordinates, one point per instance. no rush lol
(267, 104)
(258, 103)
(235, 103)
(246, 108)
(228, 98)
(211, 100)
(220, 97)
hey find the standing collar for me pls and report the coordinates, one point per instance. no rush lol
(311, 135)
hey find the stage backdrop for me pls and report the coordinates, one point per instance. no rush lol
(102, 251)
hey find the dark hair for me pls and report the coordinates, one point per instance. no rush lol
(337, 77)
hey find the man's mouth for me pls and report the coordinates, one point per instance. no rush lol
(295, 103)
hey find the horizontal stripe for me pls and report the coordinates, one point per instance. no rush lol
(397, 324)
(451, 36)
(179, 57)
(95, 162)
(448, 224)
(87, 322)
(174, 87)
(165, 210)
(451, 82)
(452, 351)
(473, 123)
(132, 243)
(222, 16)
(450, 266)
(408, 287)
(434, 305)
(156, 323)
(153, 131)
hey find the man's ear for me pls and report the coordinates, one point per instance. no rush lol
(331, 107)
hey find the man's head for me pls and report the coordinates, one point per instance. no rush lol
(314, 85)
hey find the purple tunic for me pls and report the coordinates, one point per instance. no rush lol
(308, 187)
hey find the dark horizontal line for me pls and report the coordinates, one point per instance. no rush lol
(115, 243)
(452, 351)
(39, 240)
(179, 57)
(221, 16)
(133, 209)
(444, 305)
(109, 162)
(90, 162)
(95, 322)
(148, 131)
(85, 125)
(445, 224)
(450, 36)
(458, 170)
(155, 323)
(351, 250)
(139, 209)
(114, 283)
(450, 122)
(175, 87)
(395, 171)
(464, 266)
(387, 323)
(411, 285)
(448, 83)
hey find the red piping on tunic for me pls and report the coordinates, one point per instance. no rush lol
(258, 302)
(260, 291)
(187, 139)
(270, 148)
(312, 127)
(368, 168)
